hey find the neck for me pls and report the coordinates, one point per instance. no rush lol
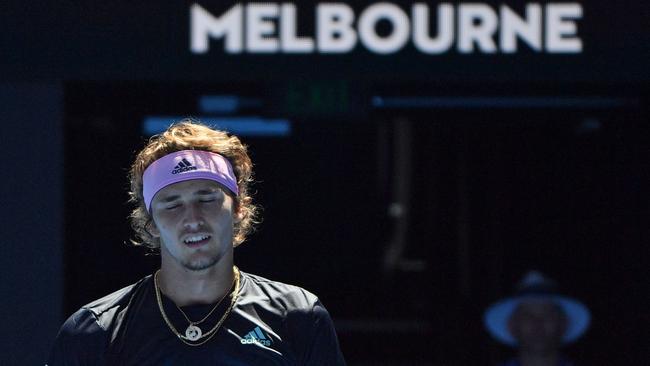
(539, 359)
(187, 287)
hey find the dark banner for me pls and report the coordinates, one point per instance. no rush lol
(464, 42)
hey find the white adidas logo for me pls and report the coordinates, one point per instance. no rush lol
(256, 336)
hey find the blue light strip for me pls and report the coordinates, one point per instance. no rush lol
(226, 104)
(240, 126)
(500, 102)
(219, 103)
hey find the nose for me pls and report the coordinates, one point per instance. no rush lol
(193, 218)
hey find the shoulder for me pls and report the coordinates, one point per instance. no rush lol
(80, 341)
(306, 323)
(104, 309)
(281, 295)
(99, 312)
(300, 310)
(88, 329)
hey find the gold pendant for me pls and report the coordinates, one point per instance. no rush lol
(193, 333)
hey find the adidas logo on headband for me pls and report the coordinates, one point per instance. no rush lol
(183, 166)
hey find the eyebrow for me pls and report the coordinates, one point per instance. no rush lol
(202, 192)
(206, 191)
(170, 198)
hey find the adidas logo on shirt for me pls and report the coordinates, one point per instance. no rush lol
(183, 166)
(256, 336)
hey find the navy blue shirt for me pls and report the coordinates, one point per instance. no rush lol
(271, 324)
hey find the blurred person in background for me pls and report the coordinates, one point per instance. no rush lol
(190, 186)
(537, 321)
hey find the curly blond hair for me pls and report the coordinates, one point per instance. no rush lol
(189, 134)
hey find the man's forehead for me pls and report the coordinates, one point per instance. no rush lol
(193, 186)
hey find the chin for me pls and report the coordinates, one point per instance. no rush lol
(202, 263)
(199, 265)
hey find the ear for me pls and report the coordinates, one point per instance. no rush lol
(238, 214)
(152, 229)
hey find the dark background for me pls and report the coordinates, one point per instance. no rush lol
(493, 165)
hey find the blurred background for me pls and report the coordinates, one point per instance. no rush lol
(409, 184)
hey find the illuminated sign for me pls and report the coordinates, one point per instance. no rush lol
(468, 28)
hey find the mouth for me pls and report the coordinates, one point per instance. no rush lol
(196, 240)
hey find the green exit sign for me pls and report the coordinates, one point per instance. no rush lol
(318, 98)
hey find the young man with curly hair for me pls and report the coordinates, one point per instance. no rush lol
(190, 186)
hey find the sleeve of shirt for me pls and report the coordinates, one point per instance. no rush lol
(315, 338)
(80, 341)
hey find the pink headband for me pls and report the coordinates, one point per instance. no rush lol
(186, 165)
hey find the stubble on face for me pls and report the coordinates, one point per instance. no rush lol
(201, 263)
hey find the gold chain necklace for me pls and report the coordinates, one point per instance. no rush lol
(194, 333)
(211, 311)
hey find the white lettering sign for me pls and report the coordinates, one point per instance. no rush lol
(334, 28)
(468, 28)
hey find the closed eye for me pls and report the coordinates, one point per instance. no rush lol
(172, 206)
